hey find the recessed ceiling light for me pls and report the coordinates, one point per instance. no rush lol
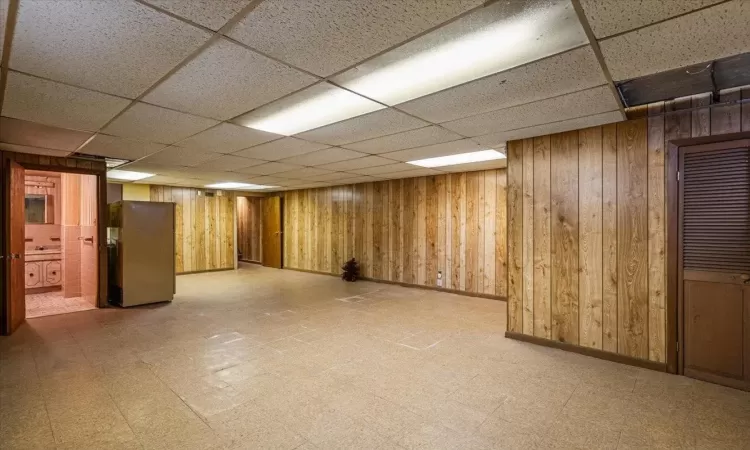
(490, 40)
(127, 175)
(461, 158)
(314, 107)
(233, 185)
(113, 162)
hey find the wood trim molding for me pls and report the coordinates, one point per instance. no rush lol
(204, 271)
(586, 351)
(672, 216)
(410, 285)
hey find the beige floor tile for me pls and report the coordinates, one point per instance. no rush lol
(261, 358)
(249, 427)
(24, 422)
(454, 415)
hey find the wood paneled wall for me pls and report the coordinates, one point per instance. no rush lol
(204, 228)
(249, 228)
(587, 231)
(405, 230)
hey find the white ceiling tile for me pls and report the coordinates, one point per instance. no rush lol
(326, 36)
(211, 14)
(180, 157)
(608, 17)
(162, 180)
(227, 138)
(433, 151)
(281, 148)
(116, 147)
(226, 80)
(269, 168)
(229, 162)
(497, 139)
(151, 123)
(358, 163)
(712, 33)
(418, 172)
(408, 139)
(32, 134)
(313, 107)
(569, 106)
(303, 173)
(379, 123)
(267, 181)
(33, 150)
(112, 46)
(215, 176)
(498, 37)
(328, 177)
(568, 72)
(57, 104)
(470, 167)
(379, 170)
(325, 156)
(157, 169)
(293, 182)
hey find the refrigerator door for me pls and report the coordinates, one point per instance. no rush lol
(147, 246)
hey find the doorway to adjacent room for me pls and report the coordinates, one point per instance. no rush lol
(60, 243)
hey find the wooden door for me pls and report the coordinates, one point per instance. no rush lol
(714, 262)
(15, 270)
(272, 232)
(3, 253)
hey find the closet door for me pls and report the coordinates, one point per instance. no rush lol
(715, 258)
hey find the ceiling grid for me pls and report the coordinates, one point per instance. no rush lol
(429, 86)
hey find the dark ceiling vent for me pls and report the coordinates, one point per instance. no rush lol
(711, 76)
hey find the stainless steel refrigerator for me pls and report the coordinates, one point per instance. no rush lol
(142, 235)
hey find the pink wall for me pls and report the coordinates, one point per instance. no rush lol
(72, 261)
(42, 235)
(89, 253)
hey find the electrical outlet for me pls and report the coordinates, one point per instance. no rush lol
(440, 279)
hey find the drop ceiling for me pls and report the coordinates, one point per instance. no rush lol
(197, 92)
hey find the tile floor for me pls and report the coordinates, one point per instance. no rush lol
(52, 303)
(260, 358)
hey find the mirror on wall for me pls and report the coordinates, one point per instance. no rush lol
(39, 208)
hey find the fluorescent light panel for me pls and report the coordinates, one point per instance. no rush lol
(319, 105)
(233, 185)
(127, 175)
(461, 158)
(493, 39)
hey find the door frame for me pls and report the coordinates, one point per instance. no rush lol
(4, 231)
(102, 216)
(675, 342)
(263, 230)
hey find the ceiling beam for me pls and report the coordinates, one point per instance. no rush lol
(599, 55)
(10, 27)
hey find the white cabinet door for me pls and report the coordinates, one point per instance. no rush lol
(52, 273)
(34, 275)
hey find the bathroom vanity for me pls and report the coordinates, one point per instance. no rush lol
(44, 269)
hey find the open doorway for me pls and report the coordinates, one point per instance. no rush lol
(249, 229)
(60, 243)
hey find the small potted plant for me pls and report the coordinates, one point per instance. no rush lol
(351, 270)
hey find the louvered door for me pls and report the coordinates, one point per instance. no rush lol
(715, 258)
